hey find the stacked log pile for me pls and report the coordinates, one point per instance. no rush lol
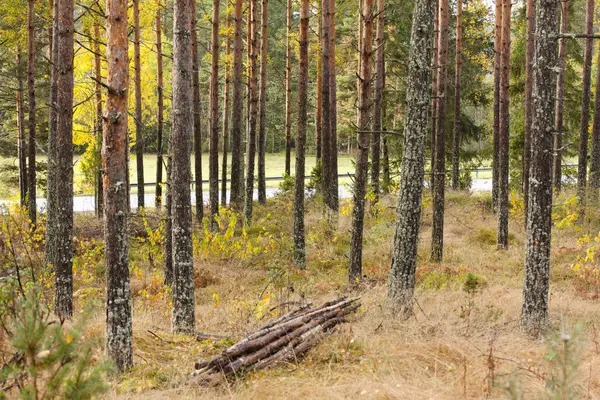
(285, 339)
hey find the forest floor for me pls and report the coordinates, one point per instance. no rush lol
(463, 342)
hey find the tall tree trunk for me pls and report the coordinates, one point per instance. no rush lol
(61, 227)
(319, 83)
(503, 144)
(362, 161)
(595, 152)
(226, 110)
(182, 123)
(496, 134)
(139, 127)
(21, 140)
(236, 195)
(585, 104)
(560, 97)
(288, 88)
(332, 183)
(325, 98)
(434, 85)
(213, 162)
(262, 103)
(31, 170)
(529, 52)
(401, 283)
(98, 128)
(539, 218)
(114, 155)
(169, 272)
(299, 237)
(386, 182)
(197, 123)
(160, 106)
(378, 102)
(437, 238)
(252, 112)
(457, 77)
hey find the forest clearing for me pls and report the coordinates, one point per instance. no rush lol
(295, 199)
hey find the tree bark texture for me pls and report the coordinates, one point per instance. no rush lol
(362, 161)
(213, 160)
(401, 282)
(226, 91)
(539, 219)
(595, 152)
(262, 103)
(529, 51)
(197, 122)
(182, 318)
(31, 145)
(319, 83)
(332, 182)
(560, 97)
(325, 98)
(434, 86)
(139, 126)
(160, 111)
(457, 76)
(378, 102)
(237, 187)
(288, 89)
(496, 135)
(503, 142)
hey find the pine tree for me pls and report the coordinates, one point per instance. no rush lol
(504, 135)
(496, 134)
(98, 127)
(262, 103)
(160, 107)
(457, 83)
(378, 102)
(197, 111)
(288, 89)
(237, 187)
(530, 48)
(139, 126)
(226, 90)
(213, 162)
(31, 145)
(560, 97)
(21, 139)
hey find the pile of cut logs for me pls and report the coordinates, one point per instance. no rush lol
(283, 340)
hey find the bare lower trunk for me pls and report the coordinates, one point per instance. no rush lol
(31, 169)
(197, 123)
(362, 161)
(213, 162)
(496, 135)
(457, 76)
(99, 125)
(114, 155)
(595, 152)
(437, 231)
(237, 188)
(182, 318)
(139, 126)
(288, 88)
(262, 103)
(504, 136)
(401, 282)
(332, 182)
(226, 111)
(160, 106)
(325, 98)
(319, 83)
(21, 140)
(560, 97)
(434, 86)
(530, 49)
(299, 235)
(378, 103)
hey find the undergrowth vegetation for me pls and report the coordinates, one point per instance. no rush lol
(464, 340)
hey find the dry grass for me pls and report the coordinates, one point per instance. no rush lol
(457, 345)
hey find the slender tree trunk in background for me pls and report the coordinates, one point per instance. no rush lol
(62, 207)
(560, 97)
(529, 52)
(160, 106)
(496, 135)
(197, 123)
(252, 112)
(325, 98)
(457, 77)
(31, 170)
(262, 104)
(288, 89)
(434, 85)
(437, 232)
(182, 124)
(585, 105)
(139, 127)
(595, 152)
(319, 83)
(213, 161)
(363, 136)
(169, 272)
(401, 282)
(236, 195)
(98, 128)
(539, 218)
(299, 236)
(114, 155)
(386, 182)
(332, 183)
(378, 103)
(226, 110)
(21, 141)
(503, 144)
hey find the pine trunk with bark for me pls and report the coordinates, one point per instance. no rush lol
(539, 219)
(437, 231)
(288, 89)
(332, 183)
(182, 121)
(401, 282)
(377, 103)
(299, 234)
(496, 126)
(560, 97)
(529, 52)
(226, 111)
(213, 160)
(160, 107)
(457, 76)
(252, 111)
(595, 152)
(236, 187)
(31, 145)
(21, 139)
(139, 126)
(114, 156)
(325, 98)
(503, 143)
(363, 136)
(585, 105)
(319, 83)
(197, 111)
(434, 86)
(262, 104)
(99, 124)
